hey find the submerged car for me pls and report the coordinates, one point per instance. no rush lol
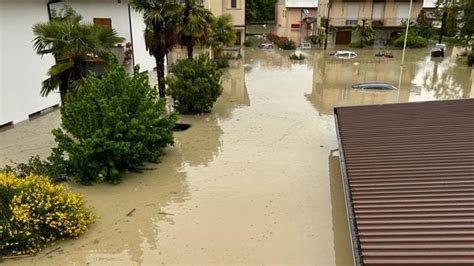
(345, 54)
(375, 85)
(438, 50)
(306, 46)
(266, 46)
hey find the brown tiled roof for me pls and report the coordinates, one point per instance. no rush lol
(408, 171)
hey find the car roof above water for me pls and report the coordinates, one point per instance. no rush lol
(374, 85)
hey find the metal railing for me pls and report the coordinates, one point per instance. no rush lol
(383, 22)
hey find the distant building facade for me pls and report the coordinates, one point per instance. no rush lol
(385, 16)
(236, 8)
(296, 19)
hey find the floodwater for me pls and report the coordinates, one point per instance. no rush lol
(257, 181)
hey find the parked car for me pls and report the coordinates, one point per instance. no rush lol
(306, 46)
(345, 54)
(266, 46)
(374, 85)
(438, 50)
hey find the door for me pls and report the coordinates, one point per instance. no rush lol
(239, 38)
(343, 37)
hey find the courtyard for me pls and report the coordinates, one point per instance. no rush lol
(257, 180)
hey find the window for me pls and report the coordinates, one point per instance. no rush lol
(233, 3)
(106, 22)
(351, 22)
(295, 26)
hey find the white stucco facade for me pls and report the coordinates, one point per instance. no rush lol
(22, 70)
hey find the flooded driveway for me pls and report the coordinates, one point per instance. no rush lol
(257, 181)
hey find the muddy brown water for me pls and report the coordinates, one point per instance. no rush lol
(257, 181)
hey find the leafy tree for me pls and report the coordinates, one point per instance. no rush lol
(366, 34)
(196, 25)
(162, 18)
(467, 29)
(195, 85)
(76, 46)
(260, 10)
(114, 124)
(424, 27)
(223, 33)
(451, 22)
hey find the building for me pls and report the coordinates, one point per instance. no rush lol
(236, 8)
(386, 17)
(296, 19)
(22, 70)
(408, 175)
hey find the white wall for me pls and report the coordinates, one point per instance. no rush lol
(118, 13)
(142, 57)
(21, 70)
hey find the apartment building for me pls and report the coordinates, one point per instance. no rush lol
(236, 8)
(296, 19)
(386, 17)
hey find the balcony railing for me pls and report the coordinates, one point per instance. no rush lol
(383, 22)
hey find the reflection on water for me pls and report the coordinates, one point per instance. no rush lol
(340, 227)
(420, 79)
(252, 181)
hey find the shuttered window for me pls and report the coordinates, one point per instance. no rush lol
(106, 22)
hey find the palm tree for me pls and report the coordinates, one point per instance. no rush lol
(75, 46)
(161, 34)
(223, 33)
(196, 25)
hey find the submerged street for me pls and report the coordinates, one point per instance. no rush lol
(256, 181)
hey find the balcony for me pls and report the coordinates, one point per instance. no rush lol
(376, 23)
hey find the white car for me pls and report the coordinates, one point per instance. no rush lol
(345, 54)
(306, 46)
(266, 46)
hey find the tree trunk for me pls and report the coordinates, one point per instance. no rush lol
(63, 87)
(443, 26)
(190, 49)
(160, 73)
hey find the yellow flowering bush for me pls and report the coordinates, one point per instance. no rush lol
(34, 211)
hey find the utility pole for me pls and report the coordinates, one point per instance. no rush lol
(327, 25)
(443, 24)
(406, 32)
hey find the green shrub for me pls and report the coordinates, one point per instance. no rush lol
(195, 85)
(248, 43)
(282, 42)
(53, 167)
(222, 62)
(413, 41)
(470, 58)
(356, 45)
(288, 45)
(115, 123)
(297, 57)
(33, 212)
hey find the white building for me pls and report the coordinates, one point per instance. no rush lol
(22, 70)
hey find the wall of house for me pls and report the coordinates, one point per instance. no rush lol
(219, 7)
(21, 69)
(286, 17)
(118, 13)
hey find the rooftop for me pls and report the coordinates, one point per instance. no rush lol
(408, 172)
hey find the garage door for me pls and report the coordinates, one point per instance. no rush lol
(343, 37)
